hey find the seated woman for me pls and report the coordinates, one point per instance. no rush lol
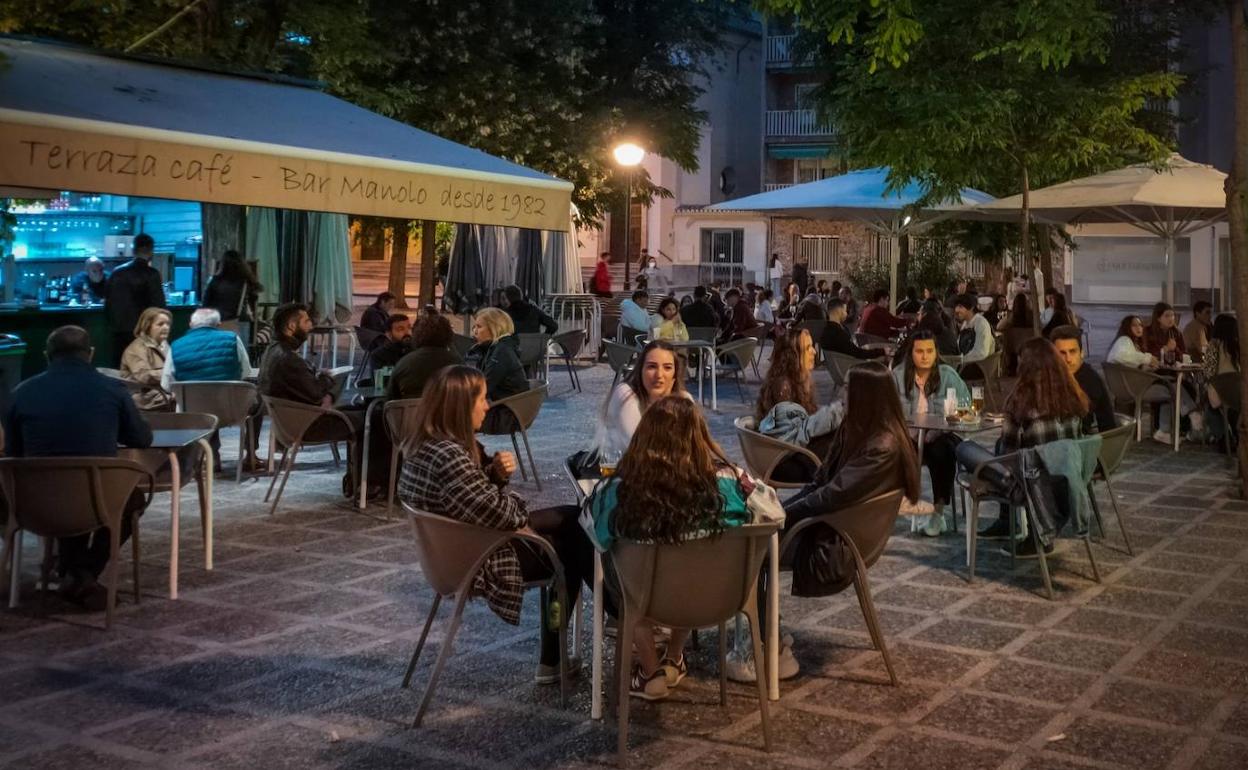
(445, 472)
(932, 319)
(1019, 316)
(789, 301)
(922, 384)
(674, 483)
(1127, 348)
(1061, 315)
(1046, 405)
(786, 407)
(659, 372)
(672, 328)
(143, 360)
(1221, 369)
(1162, 334)
(497, 355)
(431, 351)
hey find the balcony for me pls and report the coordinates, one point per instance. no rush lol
(796, 123)
(780, 49)
(771, 187)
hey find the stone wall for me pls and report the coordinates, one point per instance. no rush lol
(855, 239)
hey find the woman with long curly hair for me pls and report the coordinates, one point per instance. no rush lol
(673, 484)
(1128, 345)
(786, 407)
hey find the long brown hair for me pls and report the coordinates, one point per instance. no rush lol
(667, 478)
(872, 407)
(634, 377)
(1045, 388)
(445, 410)
(1124, 330)
(786, 378)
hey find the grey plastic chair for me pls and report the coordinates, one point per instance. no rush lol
(289, 421)
(734, 357)
(525, 406)
(620, 358)
(451, 553)
(230, 401)
(399, 416)
(865, 529)
(987, 371)
(694, 584)
(838, 366)
(54, 497)
(1114, 446)
(763, 454)
(570, 344)
(115, 374)
(461, 344)
(533, 354)
(1130, 385)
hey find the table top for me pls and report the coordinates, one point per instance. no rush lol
(176, 438)
(937, 422)
(692, 343)
(1192, 367)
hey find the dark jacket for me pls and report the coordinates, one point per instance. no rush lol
(414, 370)
(1101, 415)
(98, 292)
(531, 319)
(699, 314)
(225, 295)
(284, 374)
(740, 320)
(72, 410)
(374, 318)
(836, 338)
(387, 352)
(132, 288)
(820, 562)
(499, 361)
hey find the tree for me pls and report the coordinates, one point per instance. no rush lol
(996, 94)
(1237, 203)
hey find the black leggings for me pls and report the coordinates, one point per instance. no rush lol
(558, 525)
(940, 458)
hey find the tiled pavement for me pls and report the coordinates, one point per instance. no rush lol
(290, 652)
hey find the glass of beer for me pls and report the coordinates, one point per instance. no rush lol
(607, 460)
(977, 399)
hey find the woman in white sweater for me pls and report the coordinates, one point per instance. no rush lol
(659, 372)
(1128, 347)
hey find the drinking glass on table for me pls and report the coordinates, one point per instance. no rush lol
(977, 398)
(608, 459)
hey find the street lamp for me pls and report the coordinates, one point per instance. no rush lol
(629, 156)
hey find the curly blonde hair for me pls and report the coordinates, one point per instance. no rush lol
(498, 322)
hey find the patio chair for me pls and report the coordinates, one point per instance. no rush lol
(1013, 340)
(451, 553)
(671, 585)
(763, 454)
(734, 357)
(461, 344)
(525, 407)
(987, 371)
(838, 366)
(759, 334)
(977, 484)
(1114, 445)
(865, 529)
(289, 421)
(53, 497)
(570, 344)
(399, 416)
(862, 338)
(533, 353)
(230, 401)
(1129, 385)
(620, 358)
(115, 374)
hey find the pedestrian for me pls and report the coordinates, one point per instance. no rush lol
(132, 288)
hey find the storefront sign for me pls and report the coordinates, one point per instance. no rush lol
(63, 159)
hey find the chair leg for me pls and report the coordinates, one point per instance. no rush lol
(972, 533)
(134, 554)
(244, 443)
(290, 466)
(420, 645)
(15, 568)
(565, 674)
(1096, 511)
(1122, 524)
(524, 434)
(114, 565)
(443, 654)
(1087, 543)
(863, 588)
(751, 611)
(624, 637)
(1044, 562)
(519, 457)
(1139, 415)
(277, 472)
(394, 482)
(723, 664)
(333, 448)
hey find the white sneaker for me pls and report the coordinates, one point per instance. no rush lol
(1163, 437)
(935, 525)
(1197, 420)
(741, 669)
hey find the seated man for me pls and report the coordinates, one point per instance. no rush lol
(285, 374)
(71, 410)
(390, 348)
(635, 320)
(208, 352)
(740, 319)
(836, 337)
(525, 316)
(975, 339)
(877, 321)
(375, 315)
(699, 313)
(431, 351)
(1100, 416)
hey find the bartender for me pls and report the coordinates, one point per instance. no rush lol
(91, 285)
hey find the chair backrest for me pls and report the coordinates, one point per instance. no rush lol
(1114, 443)
(695, 583)
(739, 352)
(66, 496)
(1126, 383)
(839, 364)
(986, 369)
(366, 337)
(868, 523)
(451, 552)
(461, 344)
(525, 406)
(532, 348)
(862, 338)
(619, 357)
(180, 421)
(400, 418)
(290, 419)
(570, 341)
(116, 374)
(815, 328)
(230, 400)
(763, 453)
(704, 333)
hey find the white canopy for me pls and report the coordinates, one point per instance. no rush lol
(1170, 203)
(77, 119)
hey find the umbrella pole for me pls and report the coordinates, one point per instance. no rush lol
(894, 243)
(1169, 269)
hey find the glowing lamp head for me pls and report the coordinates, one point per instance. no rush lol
(628, 154)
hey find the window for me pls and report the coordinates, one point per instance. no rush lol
(723, 255)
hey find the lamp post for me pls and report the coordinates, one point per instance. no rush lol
(629, 156)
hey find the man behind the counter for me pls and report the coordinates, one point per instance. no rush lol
(91, 285)
(132, 288)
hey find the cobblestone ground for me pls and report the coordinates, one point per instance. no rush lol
(290, 652)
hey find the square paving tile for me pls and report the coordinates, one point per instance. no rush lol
(1124, 744)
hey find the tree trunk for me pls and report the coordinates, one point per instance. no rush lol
(1024, 227)
(1237, 207)
(428, 262)
(1044, 255)
(903, 269)
(225, 228)
(397, 285)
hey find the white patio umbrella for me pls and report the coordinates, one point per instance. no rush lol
(1170, 203)
(859, 196)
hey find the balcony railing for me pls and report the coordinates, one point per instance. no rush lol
(780, 49)
(770, 187)
(796, 123)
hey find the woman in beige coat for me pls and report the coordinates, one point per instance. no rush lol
(144, 360)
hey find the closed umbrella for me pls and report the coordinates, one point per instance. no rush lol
(562, 270)
(529, 267)
(329, 251)
(465, 279)
(293, 266)
(262, 249)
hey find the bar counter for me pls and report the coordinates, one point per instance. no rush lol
(34, 324)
